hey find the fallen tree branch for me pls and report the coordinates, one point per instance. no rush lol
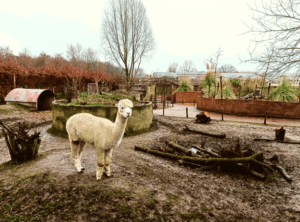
(273, 157)
(279, 141)
(192, 165)
(283, 172)
(208, 161)
(182, 149)
(254, 173)
(222, 136)
(207, 168)
(206, 151)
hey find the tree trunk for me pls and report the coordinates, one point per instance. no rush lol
(21, 146)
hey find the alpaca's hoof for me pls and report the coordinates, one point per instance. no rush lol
(98, 178)
(108, 174)
(80, 170)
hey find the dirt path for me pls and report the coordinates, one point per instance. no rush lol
(148, 188)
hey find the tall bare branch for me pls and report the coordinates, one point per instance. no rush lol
(278, 25)
(127, 35)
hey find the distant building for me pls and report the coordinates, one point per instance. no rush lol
(161, 74)
(191, 75)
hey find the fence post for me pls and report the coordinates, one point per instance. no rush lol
(187, 115)
(163, 108)
(269, 89)
(182, 101)
(221, 87)
(222, 112)
(265, 121)
(15, 80)
(194, 102)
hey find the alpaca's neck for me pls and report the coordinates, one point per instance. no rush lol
(119, 128)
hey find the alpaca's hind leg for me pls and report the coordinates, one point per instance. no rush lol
(108, 155)
(75, 154)
(81, 148)
(100, 163)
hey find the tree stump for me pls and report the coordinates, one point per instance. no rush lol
(21, 146)
(280, 133)
(203, 117)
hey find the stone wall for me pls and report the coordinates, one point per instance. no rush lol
(140, 120)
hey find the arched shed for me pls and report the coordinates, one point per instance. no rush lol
(41, 99)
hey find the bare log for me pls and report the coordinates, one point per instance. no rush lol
(206, 151)
(209, 161)
(222, 136)
(182, 149)
(279, 141)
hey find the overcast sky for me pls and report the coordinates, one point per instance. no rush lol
(183, 30)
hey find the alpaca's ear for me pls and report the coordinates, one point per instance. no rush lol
(117, 105)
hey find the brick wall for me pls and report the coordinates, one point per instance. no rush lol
(187, 97)
(250, 107)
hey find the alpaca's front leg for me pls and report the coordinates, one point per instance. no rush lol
(108, 155)
(75, 155)
(100, 163)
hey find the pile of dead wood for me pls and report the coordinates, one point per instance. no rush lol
(22, 146)
(244, 161)
(255, 95)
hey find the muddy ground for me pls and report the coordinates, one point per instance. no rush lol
(148, 188)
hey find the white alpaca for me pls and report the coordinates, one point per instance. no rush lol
(85, 128)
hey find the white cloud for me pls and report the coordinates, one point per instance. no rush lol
(183, 30)
(6, 40)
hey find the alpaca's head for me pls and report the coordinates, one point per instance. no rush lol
(125, 108)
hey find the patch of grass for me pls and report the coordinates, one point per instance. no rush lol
(195, 215)
(270, 177)
(127, 210)
(205, 208)
(10, 218)
(172, 197)
(151, 203)
(136, 133)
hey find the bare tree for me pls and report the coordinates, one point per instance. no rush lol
(140, 73)
(188, 66)
(214, 59)
(173, 67)
(279, 30)
(127, 35)
(25, 59)
(90, 57)
(6, 53)
(75, 54)
(227, 68)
